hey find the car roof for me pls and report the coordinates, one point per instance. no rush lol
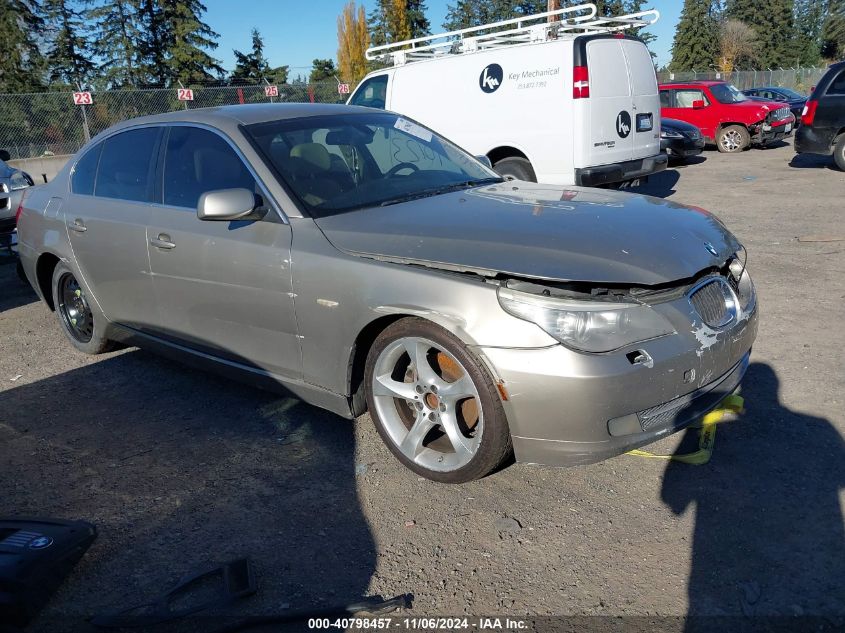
(694, 82)
(246, 114)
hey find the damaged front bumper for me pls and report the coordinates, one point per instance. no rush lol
(567, 408)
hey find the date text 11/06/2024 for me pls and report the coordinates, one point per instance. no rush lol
(420, 624)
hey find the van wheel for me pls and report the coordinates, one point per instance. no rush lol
(81, 322)
(732, 139)
(434, 404)
(839, 152)
(515, 168)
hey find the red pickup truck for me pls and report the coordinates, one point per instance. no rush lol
(725, 116)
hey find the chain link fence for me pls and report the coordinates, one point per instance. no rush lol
(36, 125)
(800, 79)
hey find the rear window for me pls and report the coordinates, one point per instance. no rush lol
(85, 171)
(837, 86)
(127, 165)
(608, 71)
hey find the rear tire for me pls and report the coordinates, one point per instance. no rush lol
(434, 404)
(839, 152)
(732, 139)
(81, 321)
(515, 168)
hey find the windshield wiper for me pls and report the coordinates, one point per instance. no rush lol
(436, 191)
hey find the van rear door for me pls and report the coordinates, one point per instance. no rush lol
(607, 117)
(645, 98)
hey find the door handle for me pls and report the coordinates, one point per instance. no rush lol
(78, 226)
(162, 241)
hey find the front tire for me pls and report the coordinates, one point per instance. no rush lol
(434, 404)
(732, 139)
(515, 168)
(81, 322)
(839, 152)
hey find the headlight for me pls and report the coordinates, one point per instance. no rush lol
(18, 181)
(589, 326)
(670, 134)
(746, 292)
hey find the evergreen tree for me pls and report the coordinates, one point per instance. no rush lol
(20, 59)
(278, 75)
(775, 27)
(467, 13)
(809, 17)
(251, 67)
(69, 59)
(115, 40)
(696, 39)
(188, 37)
(322, 70)
(152, 46)
(397, 20)
(833, 31)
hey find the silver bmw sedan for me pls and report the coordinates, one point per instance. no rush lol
(366, 264)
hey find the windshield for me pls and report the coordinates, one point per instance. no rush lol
(345, 162)
(727, 93)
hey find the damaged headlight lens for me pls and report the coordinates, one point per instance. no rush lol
(588, 326)
(18, 181)
(746, 292)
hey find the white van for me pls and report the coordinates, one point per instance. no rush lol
(571, 101)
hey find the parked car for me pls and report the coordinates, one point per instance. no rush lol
(680, 140)
(547, 105)
(795, 100)
(823, 128)
(724, 115)
(364, 262)
(12, 183)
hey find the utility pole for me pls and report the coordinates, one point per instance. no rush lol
(553, 5)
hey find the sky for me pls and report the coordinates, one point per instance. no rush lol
(295, 32)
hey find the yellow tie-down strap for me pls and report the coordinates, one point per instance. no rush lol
(706, 436)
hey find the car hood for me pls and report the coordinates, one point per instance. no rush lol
(540, 231)
(676, 124)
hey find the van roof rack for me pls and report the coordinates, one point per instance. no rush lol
(539, 27)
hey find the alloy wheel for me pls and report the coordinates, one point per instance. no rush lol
(732, 140)
(428, 404)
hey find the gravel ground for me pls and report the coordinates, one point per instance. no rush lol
(179, 468)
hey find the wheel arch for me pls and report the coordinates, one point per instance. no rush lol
(44, 267)
(506, 151)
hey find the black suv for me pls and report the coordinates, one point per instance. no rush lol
(822, 128)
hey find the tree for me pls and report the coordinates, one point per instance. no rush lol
(21, 26)
(695, 45)
(187, 41)
(252, 66)
(321, 70)
(809, 17)
(775, 29)
(69, 59)
(737, 41)
(397, 20)
(115, 41)
(353, 39)
(466, 13)
(833, 31)
(278, 75)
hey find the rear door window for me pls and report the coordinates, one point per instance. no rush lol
(128, 164)
(85, 172)
(197, 161)
(837, 86)
(372, 93)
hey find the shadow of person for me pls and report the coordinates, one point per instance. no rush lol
(180, 469)
(768, 545)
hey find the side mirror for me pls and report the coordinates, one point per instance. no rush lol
(4, 155)
(484, 160)
(225, 205)
(698, 104)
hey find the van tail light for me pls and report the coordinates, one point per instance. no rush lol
(809, 112)
(580, 82)
(20, 206)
